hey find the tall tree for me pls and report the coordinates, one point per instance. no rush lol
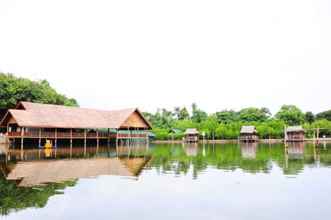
(291, 115)
(254, 114)
(227, 116)
(197, 114)
(324, 115)
(309, 117)
(14, 89)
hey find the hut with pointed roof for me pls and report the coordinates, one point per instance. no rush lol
(295, 133)
(248, 134)
(191, 135)
(54, 122)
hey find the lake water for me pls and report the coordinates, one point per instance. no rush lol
(221, 181)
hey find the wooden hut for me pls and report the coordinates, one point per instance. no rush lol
(295, 133)
(248, 134)
(191, 135)
(55, 122)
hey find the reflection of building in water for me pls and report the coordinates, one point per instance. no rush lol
(32, 173)
(191, 149)
(248, 150)
(295, 150)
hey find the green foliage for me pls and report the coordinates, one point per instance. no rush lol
(254, 114)
(291, 114)
(14, 89)
(226, 124)
(13, 198)
(181, 113)
(309, 117)
(197, 114)
(227, 116)
(324, 115)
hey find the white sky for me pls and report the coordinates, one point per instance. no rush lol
(151, 53)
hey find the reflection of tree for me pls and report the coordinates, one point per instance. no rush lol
(230, 157)
(13, 198)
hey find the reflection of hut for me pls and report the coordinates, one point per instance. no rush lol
(295, 150)
(191, 149)
(295, 133)
(248, 150)
(248, 134)
(35, 173)
(191, 135)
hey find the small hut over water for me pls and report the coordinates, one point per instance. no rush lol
(295, 133)
(191, 135)
(248, 134)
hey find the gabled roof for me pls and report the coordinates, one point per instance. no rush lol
(248, 130)
(297, 128)
(57, 116)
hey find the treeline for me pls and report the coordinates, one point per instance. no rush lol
(14, 89)
(226, 124)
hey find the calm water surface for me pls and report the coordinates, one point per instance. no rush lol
(222, 181)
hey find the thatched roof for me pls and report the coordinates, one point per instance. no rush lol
(33, 173)
(295, 129)
(56, 116)
(248, 130)
(191, 131)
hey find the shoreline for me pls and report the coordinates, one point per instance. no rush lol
(229, 141)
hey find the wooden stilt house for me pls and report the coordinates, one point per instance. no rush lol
(295, 133)
(191, 135)
(54, 122)
(248, 134)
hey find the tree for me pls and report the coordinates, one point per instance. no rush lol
(254, 114)
(209, 126)
(14, 89)
(324, 115)
(291, 115)
(309, 117)
(181, 113)
(227, 116)
(197, 114)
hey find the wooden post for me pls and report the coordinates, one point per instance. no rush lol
(285, 135)
(97, 139)
(22, 142)
(70, 139)
(317, 135)
(108, 137)
(84, 142)
(117, 142)
(39, 137)
(55, 144)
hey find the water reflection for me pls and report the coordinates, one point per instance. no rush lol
(30, 177)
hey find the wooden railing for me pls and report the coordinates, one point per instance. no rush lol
(45, 134)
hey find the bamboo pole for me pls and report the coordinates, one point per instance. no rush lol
(22, 142)
(97, 139)
(55, 144)
(84, 142)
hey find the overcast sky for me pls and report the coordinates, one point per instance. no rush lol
(222, 54)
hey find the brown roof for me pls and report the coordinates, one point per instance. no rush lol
(57, 116)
